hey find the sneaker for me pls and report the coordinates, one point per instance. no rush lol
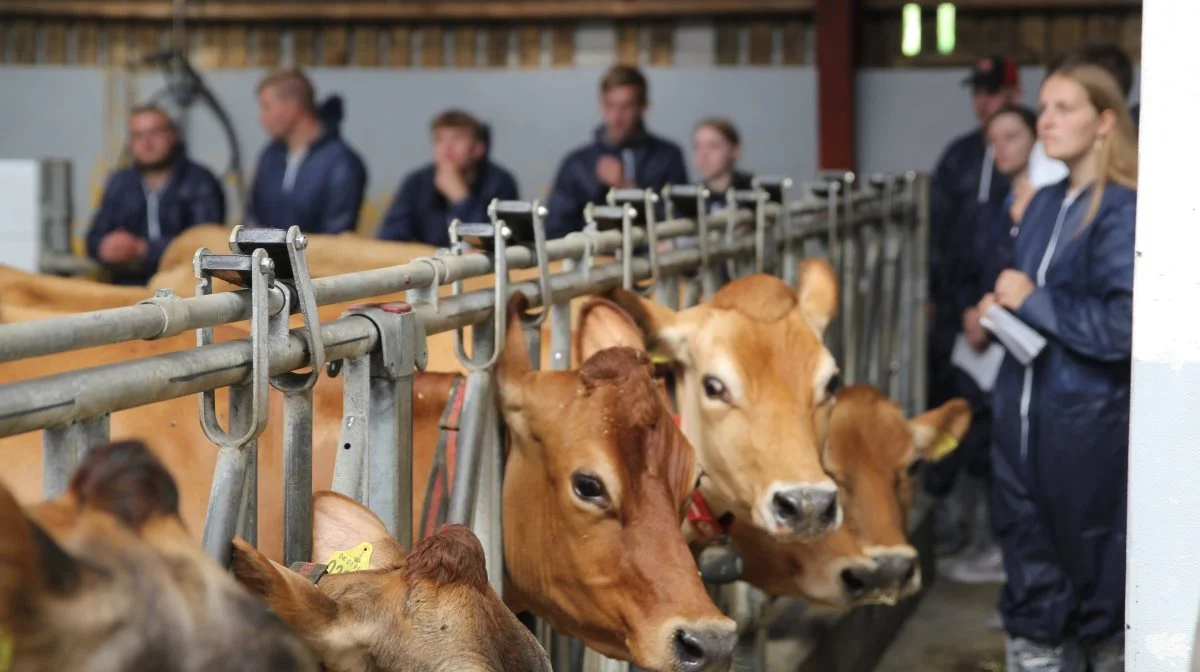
(985, 565)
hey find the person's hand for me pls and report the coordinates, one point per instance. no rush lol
(610, 171)
(974, 332)
(1012, 288)
(985, 303)
(450, 183)
(121, 247)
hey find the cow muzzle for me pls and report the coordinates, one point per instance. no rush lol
(703, 649)
(800, 512)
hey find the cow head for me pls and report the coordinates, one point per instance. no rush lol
(594, 491)
(105, 577)
(750, 369)
(873, 453)
(428, 609)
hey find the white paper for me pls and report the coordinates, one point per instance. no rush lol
(1018, 338)
(982, 367)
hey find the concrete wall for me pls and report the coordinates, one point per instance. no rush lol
(536, 117)
(907, 117)
(904, 117)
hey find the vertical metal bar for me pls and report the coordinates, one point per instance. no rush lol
(297, 479)
(849, 310)
(486, 519)
(389, 454)
(225, 502)
(64, 446)
(918, 191)
(240, 417)
(349, 466)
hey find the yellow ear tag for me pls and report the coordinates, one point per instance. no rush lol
(659, 359)
(353, 560)
(946, 444)
(6, 651)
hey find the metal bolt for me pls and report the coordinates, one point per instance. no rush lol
(542, 211)
(268, 266)
(164, 293)
(301, 241)
(506, 232)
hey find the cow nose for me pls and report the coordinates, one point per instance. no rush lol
(857, 581)
(697, 650)
(809, 510)
(897, 571)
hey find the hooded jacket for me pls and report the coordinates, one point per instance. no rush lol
(327, 191)
(657, 162)
(192, 195)
(1061, 425)
(420, 213)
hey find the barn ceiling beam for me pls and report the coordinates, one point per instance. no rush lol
(837, 33)
(480, 10)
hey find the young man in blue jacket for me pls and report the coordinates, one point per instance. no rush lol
(307, 176)
(146, 205)
(622, 153)
(459, 184)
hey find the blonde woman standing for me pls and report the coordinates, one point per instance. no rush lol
(1061, 424)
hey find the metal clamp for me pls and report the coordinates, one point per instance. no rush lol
(587, 260)
(394, 357)
(258, 271)
(294, 276)
(647, 200)
(776, 187)
(499, 236)
(525, 217)
(603, 218)
(167, 303)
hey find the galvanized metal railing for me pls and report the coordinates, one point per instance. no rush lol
(873, 231)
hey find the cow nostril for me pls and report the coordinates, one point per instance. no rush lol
(854, 584)
(830, 514)
(786, 507)
(910, 574)
(688, 650)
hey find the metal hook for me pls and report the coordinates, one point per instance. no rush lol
(499, 233)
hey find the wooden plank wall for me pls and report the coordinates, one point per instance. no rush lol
(1032, 36)
(1033, 33)
(781, 39)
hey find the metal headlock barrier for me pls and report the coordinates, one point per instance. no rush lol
(874, 231)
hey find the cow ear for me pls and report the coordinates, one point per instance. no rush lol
(342, 524)
(127, 480)
(645, 326)
(603, 324)
(514, 365)
(817, 293)
(936, 432)
(32, 565)
(297, 601)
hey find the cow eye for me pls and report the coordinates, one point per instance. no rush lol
(833, 386)
(715, 389)
(589, 488)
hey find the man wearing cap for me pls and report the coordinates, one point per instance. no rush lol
(963, 180)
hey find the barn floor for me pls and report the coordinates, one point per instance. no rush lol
(949, 633)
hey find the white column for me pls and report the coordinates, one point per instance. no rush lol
(1163, 585)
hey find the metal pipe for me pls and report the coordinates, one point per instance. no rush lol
(167, 318)
(64, 446)
(297, 470)
(45, 402)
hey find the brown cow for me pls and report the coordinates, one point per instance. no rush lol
(428, 609)
(872, 452)
(106, 578)
(751, 368)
